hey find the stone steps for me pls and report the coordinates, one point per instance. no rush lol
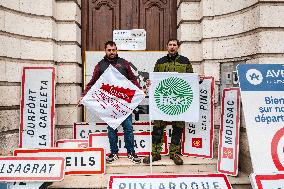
(164, 166)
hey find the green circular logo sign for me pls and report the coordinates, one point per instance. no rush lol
(173, 96)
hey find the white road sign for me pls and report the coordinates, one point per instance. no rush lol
(78, 161)
(208, 181)
(229, 132)
(198, 137)
(262, 93)
(31, 169)
(37, 108)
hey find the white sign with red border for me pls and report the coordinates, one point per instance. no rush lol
(210, 181)
(72, 143)
(31, 169)
(198, 137)
(141, 143)
(229, 132)
(82, 130)
(37, 108)
(267, 181)
(79, 161)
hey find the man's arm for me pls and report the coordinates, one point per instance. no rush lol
(131, 75)
(189, 68)
(95, 77)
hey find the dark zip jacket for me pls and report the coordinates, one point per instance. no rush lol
(120, 64)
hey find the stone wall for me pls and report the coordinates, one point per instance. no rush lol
(219, 34)
(39, 33)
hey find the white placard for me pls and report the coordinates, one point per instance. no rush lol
(267, 181)
(174, 96)
(262, 92)
(113, 97)
(198, 137)
(142, 143)
(37, 108)
(72, 143)
(31, 169)
(228, 155)
(134, 39)
(210, 181)
(78, 161)
(82, 130)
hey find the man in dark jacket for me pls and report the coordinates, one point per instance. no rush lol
(172, 62)
(111, 58)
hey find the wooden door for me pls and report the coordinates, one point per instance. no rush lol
(101, 17)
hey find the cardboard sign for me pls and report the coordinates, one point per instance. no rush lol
(31, 168)
(79, 161)
(72, 143)
(141, 143)
(229, 132)
(208, 181)
(262, 92)
(134, 39)
(82, 130)
(37, 108)
(198, 137)
(269, 181)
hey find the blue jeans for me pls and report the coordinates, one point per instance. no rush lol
(128, 136)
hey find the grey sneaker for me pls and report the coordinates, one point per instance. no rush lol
(134, 158)
(111, 158)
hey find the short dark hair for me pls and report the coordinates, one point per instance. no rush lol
(111, 43)
(174, 39)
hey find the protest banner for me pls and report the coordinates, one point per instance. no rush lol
(228, 155)
(113, 97)
(142, 143)
(174, 97)
(208, 181)
(37, 108)
(262, 92)
(78, 161)
(31, 169)
(198, 137)
(267, 181)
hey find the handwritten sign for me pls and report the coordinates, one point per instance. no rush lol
(130, 39)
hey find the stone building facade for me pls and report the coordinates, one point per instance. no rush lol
(216, 35)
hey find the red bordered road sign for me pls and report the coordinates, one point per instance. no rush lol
(171, 181)
(37, 108)
(267, 181)
(79, 161)
(31, 168)
(229, 132)
(142, 143)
